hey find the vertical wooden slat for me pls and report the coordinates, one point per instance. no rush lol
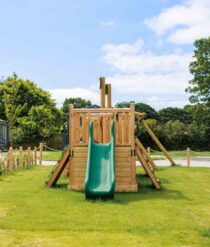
(35, 156)
(126, 128)
(116, 129)
(120, 121)
(84, 135)
(87, 127)
(77, 128)
(10, 154)
(21, 157)
(95, 130)
(103, 129)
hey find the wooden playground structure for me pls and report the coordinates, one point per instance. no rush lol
(128, 148)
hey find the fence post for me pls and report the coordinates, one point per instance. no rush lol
(29, 157)
(21, 157)
(10, 154)
(188, 157)
(40, 153)
(148, 150)
(35, 156)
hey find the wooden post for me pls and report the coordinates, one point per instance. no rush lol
(157, 142)
(29, 157)
(21, 157)
(69, 167)
(40, 153)
(132, 140)
(188, 157)
(35, 156)
(10, 158)
(109, 95)
(102, 88)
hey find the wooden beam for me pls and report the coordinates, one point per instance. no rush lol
(145, 153)
(109, 95)
(102, 88)
(151, 133)
(188, 157)
(101, 110)
(132, 140)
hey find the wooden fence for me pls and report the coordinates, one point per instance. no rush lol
(20, 159)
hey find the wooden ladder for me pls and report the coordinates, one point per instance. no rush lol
(145, 164)
(59, 169)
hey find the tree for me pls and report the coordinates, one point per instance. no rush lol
(200, 69)
(18, 98)
(174, 113)
(176, 134)
(77, 102)
(141, 107)
(42, 122)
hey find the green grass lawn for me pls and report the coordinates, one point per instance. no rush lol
(177, 215)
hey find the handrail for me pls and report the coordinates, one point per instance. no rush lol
(102, 110)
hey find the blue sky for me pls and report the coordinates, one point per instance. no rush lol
(142, 47)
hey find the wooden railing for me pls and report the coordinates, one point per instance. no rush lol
(101, 117)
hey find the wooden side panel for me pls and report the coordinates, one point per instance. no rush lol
(123, 170)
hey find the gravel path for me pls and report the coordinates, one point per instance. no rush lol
(195, 162)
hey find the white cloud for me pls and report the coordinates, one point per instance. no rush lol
(182, 23)
(108, 23)
(130, 58)
(139, 72)
(59, 94)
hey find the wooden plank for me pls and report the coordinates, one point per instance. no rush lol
(132, 140)
(109, 95)
(77, 128)
(102, 90)
(120, 120)
(126, 128)
(84, 135)
(145, 153)
(70, 165)
(145, 125)
(147, 169)
(101, 110)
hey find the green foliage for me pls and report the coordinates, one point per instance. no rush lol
(176, 134)
(140, 107)
(77, 102)
(29, 110)
(174, 113)
(42, 122)
(200, 69)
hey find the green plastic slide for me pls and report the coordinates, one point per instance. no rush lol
(100, 174)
